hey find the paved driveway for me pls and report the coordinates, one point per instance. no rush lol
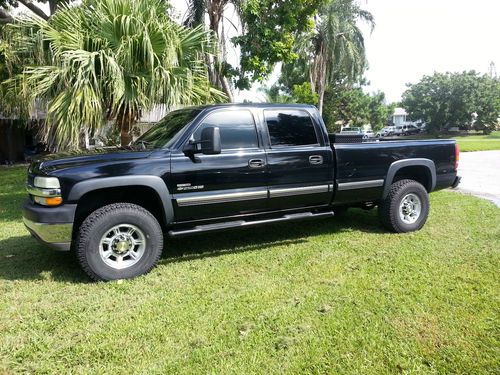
(480, 173)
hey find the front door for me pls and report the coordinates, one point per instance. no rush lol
(299, 160)
(230, 183)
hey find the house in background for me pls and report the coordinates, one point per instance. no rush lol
(400, 118)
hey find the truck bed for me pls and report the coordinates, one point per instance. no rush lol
(364, 161)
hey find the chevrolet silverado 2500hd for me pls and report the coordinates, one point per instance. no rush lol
(217, 167)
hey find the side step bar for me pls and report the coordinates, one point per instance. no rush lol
(244, 224)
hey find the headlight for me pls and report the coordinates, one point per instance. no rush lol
(47, 182)
(46, 191)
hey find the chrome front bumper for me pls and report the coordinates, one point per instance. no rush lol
(57, 236)
(51, 225)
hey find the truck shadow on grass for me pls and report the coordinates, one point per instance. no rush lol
(23, 258)
(258, 238)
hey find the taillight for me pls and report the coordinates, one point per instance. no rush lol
(457, 155)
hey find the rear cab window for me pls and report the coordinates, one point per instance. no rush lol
(290, 127)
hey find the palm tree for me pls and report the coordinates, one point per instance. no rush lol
(214, 10)
(337, 45)
(112, 60)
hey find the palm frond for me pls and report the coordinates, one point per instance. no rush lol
(112, 59)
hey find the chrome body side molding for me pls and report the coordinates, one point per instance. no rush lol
(225, 196)
(219, 197)
(286, 192)
(360, 185)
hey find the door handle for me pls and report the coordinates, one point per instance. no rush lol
(315, 159)
(256, 163)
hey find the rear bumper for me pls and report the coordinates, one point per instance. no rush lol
(52, 226)
(456, 182)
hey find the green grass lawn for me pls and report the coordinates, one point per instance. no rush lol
(336, 296)
(479, 142)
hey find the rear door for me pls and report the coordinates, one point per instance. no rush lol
(300, 161)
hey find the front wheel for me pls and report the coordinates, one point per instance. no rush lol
(119, 241)
(406, 207)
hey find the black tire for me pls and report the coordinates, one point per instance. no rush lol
(389, 208)
(100, 222)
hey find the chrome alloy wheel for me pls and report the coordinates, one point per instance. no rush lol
(410, 208)
(122, 246)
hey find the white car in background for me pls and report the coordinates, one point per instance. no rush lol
(367, 134)
(386, 131)
(406, 130)
(351, 131)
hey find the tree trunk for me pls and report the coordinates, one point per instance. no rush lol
(223, 81)
(226, 87)
(321, 97)
(124, 121)
(5, 17)
(84, 143)
(53, 6)
(125, 137)
(35, 9)
(215, 11)
(321, 85)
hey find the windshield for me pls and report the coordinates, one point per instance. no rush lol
(162, 134)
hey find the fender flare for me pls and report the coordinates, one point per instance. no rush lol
(153, 182)
(417, 162)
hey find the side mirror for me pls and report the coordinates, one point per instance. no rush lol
(210, 141)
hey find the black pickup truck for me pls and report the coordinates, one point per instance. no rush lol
(218, 167)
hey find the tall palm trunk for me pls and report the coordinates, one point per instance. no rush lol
(321, 99)
(124, 122)
(222, 80)
(215, 12)
(317, 75)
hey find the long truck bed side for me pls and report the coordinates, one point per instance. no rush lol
(364, 171)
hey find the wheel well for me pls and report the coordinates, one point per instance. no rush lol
(143, 196)
(419, 173)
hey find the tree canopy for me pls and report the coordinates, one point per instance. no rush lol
(351, 106)
(270, 32)
(465, 100)
(111, 60)
(331, 53)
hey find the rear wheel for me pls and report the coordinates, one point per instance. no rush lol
(406, 207)
(119, 241)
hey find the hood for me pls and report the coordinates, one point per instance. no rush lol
(52, 162)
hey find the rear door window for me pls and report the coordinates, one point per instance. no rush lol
(290, 127)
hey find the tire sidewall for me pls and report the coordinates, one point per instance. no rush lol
(89, 247)
(421, 193)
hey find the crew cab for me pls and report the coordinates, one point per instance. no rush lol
(204, 169)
